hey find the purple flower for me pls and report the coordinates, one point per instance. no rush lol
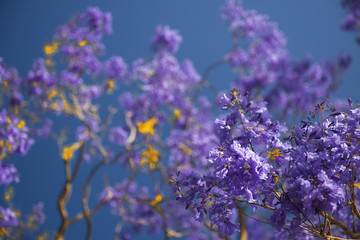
(237, 170)
(166, 39)
(82, 133)
(344, 60)
(116, 68)
(118, 135)
(38, 214)
(89, 93)
(39, 78)
(352, 18)
(8, 218)
(8, 174)
(191, 74)
(16, 98)
(264, 67)
(45, 130)
(98, 20)
(277, 220)
(71, 78)
(2, 70)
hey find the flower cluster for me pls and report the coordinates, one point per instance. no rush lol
(161, 119)
(187, 139)
(166, 39)
(243, 164)
(14, 135)
(265, 68)
(352, 18)
(139, 208)
(323, 167)
(309, 175)
(169, 85)
(13, 224)
(14, 138)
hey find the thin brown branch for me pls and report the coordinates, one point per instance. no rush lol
(164, 220)
(257, 204)
(212, 228)
(132, 127)
(87, 191)
(79, 161)
(118, 229)
(205, 75)
(100, 204)
(243, 231)
(354, 220)
(340, 225)
(108, 121)
(352, 188)
(62, 201)
(81, 215)
(65, 192)
(323, 231)
(330, 230)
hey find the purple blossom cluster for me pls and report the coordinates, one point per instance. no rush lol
(38, 213)
(169, 84)
(13, 225)
(322, 173)
(166, 39)
(264, 67)
(352, 19)
(309, 175)
(8, 174)
(58, 83)
(14, 138)
(8, 218)
(140, 209)
(9, 77)
(14, 135)
(243, 164)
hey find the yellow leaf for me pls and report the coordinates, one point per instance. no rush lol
(172, 233)
(150, 156)
(177, 113)
(50, 49)
(68, 152)
(3, 232)
(48, 62)
(21, 124)
(186, 150)
(82, 43)
(157, 199)
(273, 154)
(147, 127)
(52, 94)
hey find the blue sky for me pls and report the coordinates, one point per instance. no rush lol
(25, 26)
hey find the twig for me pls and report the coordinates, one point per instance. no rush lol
(87, 190)
(65, 193)
(243, 231)
(339, 224)
(205, 75)
(78, 162)
(132, 127)
(352, 187)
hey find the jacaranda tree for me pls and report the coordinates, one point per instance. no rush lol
(277, 156)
